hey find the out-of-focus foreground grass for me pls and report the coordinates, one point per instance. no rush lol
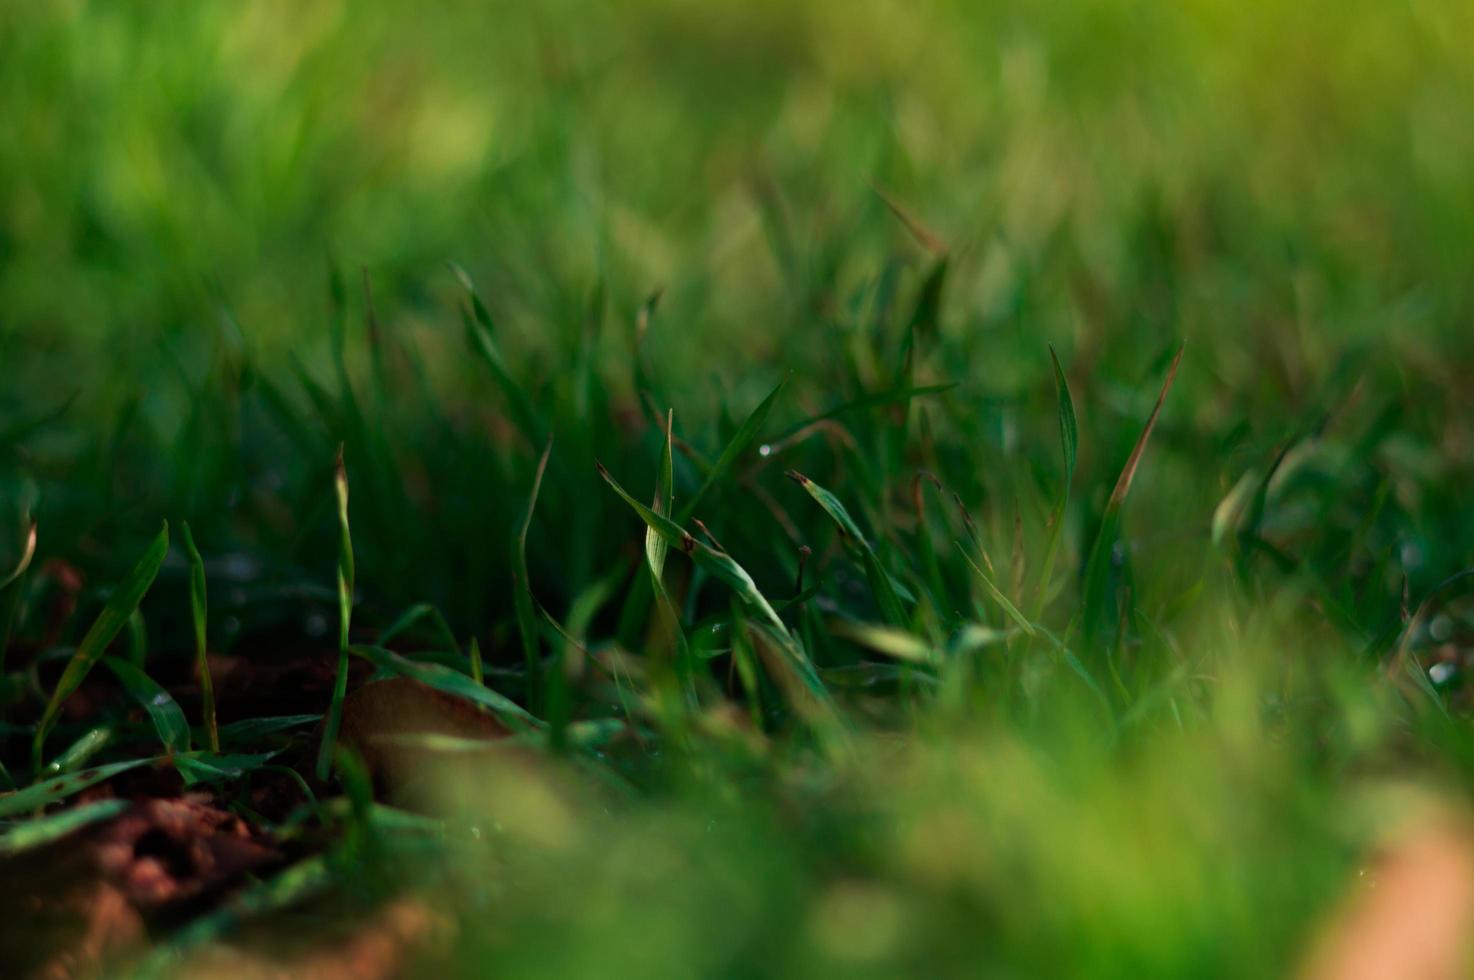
(1162, 747)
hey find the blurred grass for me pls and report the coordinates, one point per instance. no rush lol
(225, 231)
(1236, 170)
(1285, 188)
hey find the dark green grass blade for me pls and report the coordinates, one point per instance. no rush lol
(114, 616)
(210, 767)
(345, 615)
(655, 546)
(481, 335)
(137, 639)
(477, 673)
(931, 577)
(167, 717)
(718, 564)
(288, 419)
(91, 742)
(880, 581)
(412, 617)
(745, 436)
(449, 681)
(60, 787)
(644, 383)
(1069, 438)
(926, 318)
(996, 594)
(656, 549)
(55, 826)
(745, 660)
(1096, 614)
(1069, 430)
(522, 591)
(250, 731)
(199, 612)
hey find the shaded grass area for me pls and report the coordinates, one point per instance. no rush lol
(943, 491)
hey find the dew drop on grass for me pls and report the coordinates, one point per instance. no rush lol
(1441, 673)
(765, 450)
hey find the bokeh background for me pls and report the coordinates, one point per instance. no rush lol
(1273, 181)
(1285, 186)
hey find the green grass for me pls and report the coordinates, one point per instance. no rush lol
(1118, 353)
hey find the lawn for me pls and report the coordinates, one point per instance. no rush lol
(736, 489)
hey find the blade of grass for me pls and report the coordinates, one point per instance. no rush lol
(655, 553)
(1069, 438)
(745, 660)
(120, 605)
(481, 335)
(449, 681)
(199, 611)
(250, 730)
(55, 826)
(412, 617)
(1009, 609)
(209, 767)
(477, 674)
(60, 787)
(167, 717)
(880, 581)
(137, 640)
(345, 614)
(91, 742)
(746, 434)
(522, 591)
(924, 236)
(1095, 617)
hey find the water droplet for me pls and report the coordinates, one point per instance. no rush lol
(765, 450)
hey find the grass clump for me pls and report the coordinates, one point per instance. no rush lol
(1053, 564)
